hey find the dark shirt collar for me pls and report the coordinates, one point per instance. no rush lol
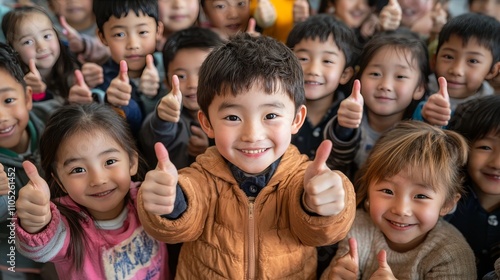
(250, 184)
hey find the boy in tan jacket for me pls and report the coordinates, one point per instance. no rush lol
(251, 207)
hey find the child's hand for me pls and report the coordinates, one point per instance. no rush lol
(159, 186)
(4, 181)
(347, 266)
(169, 109)
(75, 42)
(251, 28)
(439, 18)
(198, 142)
(33, 204)
(93, 74)
(384, 271)
(300, 10)
(119, 91)
(150, 79)
(390, 16)
(34, 79)
(265, 13)
(323, 188)
(436, 110)
(350, 110)
(79, 93)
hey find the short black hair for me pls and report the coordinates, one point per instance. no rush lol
(10, 63)
(322, 26)
(104, 9)
(193, 37)
(485, 29)
(246, 60)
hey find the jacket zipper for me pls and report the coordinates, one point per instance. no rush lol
(251, 240)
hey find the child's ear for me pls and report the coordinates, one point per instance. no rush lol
(205, 124)
(159, 31)
(346, 75)
(134, 164)
(493, 72)
(449, 207)
(299, 119)
(102, 38)
(419, 92)
(29, 97)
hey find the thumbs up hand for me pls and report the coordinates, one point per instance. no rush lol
(159, 186)
(169, 109)
(33, 204)
(251, 28)
(198, 142)
(350, 111)
(323, 188)
(439, 17)
(347, 266)
(390, 16)
(34, 79)
(75, 42)
(437, 110)
(93, 74)
(119, 91)
(80, 93)
(150, 79)
(300, 10)
(265, 14)
(384, 271)
(4, 182)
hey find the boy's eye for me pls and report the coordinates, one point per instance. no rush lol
(486, 148)
(421, 196)
(271, 116)
(232, 118)
(374, 74)
(120, 35)
(181, 77)
(47, 36)
(9, 100)
(386, 191)
(143, 32)
(110, 161)
(328, 61)
(446, 56)
(219, 6)
(401, 77)
(473, 61)
(77, 170)
(242, 3)
(303, 59)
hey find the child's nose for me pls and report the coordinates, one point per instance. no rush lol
(133, 42)
(97, 178)
(252, 132)
(456, 68)
(401, 207)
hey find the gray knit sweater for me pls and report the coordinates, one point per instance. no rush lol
(444, 254)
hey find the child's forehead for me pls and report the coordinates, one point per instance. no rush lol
(9, 83)
(131, 18)
(460, 43)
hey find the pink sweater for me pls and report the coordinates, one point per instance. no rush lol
(116, 249)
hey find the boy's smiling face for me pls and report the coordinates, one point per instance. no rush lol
(131, 38)
(465, 67)
(252, 129)
(15, 105)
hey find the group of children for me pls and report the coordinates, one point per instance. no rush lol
(248, 144)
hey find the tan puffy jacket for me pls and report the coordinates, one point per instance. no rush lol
(228, 236)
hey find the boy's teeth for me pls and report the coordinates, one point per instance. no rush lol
(399, 225)
(253, 151)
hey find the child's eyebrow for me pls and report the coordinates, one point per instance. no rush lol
(73, 159)
(327, 52)
(124, 26)
(30, 35)
(227, 105)
(6, 89)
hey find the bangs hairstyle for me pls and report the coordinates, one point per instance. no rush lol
(321, 27)
(103, 10)
(10, 63)
(245, 61)
(485, 29)
(477, 118)
(424, 151)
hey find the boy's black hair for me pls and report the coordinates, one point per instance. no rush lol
(245, 61)
(485, 29)
(10, 63)
(103, 10)
(477, 118)
(193, 37)
(322, 26)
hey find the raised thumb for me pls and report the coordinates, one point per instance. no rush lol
(356, 92)
(36, 180)
(443, 88)
(123, 71)
(162, 156)
(79, 79)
